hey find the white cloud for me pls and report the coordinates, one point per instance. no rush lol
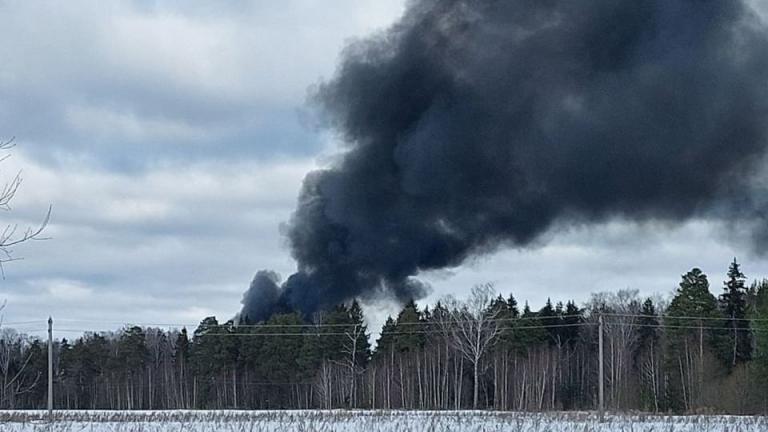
(616, 255)
(125, 83)
(157, 246)
(105, 124)
(63, 290)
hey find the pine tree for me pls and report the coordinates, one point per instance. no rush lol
(687, 345)
(528, 332)
(409, 334)
(37, 373)
(132, 354)
(505, 315)
(572, 317)
(339, 322)
(649, 325)
(181, 364)
(733, 304)
(357, 349)
(386, 341)
(63, 373)
(278, 357)
(645, 357)
(550, 318)
(310, 356)
(512, 306)
(759, 312)
(499, 305)
(204, 351)
(509, 338)
(359, 331)
(693, 299)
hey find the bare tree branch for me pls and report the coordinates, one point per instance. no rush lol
(10, 235)
(472, 328)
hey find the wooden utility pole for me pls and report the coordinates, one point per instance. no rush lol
(600, 390)
(50, 369)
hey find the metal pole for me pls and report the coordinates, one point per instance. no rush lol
(601, 394)
(50, 369)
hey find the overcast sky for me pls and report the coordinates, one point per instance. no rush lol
(172, 139)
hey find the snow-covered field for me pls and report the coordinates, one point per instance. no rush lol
(366, 421)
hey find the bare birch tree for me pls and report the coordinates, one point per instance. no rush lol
(350, 348)
(472, 329)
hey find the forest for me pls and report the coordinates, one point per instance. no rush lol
(695, 352)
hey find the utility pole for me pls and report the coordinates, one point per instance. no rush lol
(50, 369)
(600, 390)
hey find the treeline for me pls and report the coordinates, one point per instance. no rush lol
(695, 353)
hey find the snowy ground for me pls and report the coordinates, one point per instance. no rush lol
(366, 421)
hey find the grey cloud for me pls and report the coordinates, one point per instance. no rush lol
(127, 85)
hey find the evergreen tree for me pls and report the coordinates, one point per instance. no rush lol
(505, 315)
(132, 356)
(203, 356)
(511, 339)
(250, 348)
(228, 355)
(733, 304)
(205, 346)
(410, 336)
(278, 356)
(36, 373)
(499, 306)
(512, 306)
(63, 373)
(527, 332)
(436, 324)
(311, 355)
(181, 364)
(693, 299)
(645, 357)
(359, 331)
(339, 323)
(181, 352)
(686, 341)
(572, 317)
(132, 350)
(759, 312)
(649, 325)
(386, 342)
(551, 319)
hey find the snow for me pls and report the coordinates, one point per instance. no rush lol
(367, 421)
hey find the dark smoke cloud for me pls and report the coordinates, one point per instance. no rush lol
(472, 125)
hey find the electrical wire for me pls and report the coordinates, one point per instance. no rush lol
(699, 318)
(319, 325)
(400, 333)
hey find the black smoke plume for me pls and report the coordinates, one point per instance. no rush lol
(473, 125)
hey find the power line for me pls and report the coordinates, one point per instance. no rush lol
(8, 323)
(416, 323)
(387, 333)
(696, 318)
(671, 326)
(319, 325)
(310, 327)
(449, 330)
